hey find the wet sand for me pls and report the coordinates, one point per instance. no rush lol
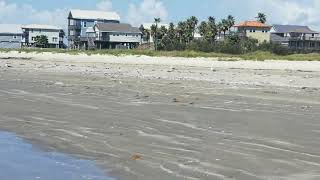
(151, 121)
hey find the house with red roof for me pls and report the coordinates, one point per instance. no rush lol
(255, 30)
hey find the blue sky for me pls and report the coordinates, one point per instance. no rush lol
(305, 12)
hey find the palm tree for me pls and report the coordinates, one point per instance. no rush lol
(189, 29)
(162, 31)
(225, 26)
(171, 31)
(203, 29)
(212, 28)
(147, 34)
(193, 22)
(211, 20)
(181, 30)
(262, 18)
(231, 21)
(143, 31)
(156, 21)
(219, 28)
(153, 32)
(141, 28)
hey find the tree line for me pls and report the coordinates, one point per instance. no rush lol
(216, 36)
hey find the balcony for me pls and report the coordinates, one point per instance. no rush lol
(74, 27)
(277, 38)
(103, 38)
(303, 38)
(73, 37)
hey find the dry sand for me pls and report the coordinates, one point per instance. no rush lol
(168, 118)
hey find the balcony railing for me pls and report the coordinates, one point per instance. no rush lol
(103, 38)
(74, 27)
(278, 38)
(304, 38)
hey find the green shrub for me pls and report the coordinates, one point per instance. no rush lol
(275, 48)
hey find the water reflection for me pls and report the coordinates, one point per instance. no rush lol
(20, 161)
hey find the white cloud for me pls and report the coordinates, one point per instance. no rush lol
(296, 12)
(104, 5)
(304, 12)
(26, 14)
(146, 11)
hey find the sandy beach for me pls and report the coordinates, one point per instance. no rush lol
(142, 118)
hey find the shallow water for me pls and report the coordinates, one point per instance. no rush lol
(20, 161)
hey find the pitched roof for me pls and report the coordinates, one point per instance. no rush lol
(117, 27)
(41, 26)
(10, 29)
(252, 24)
(292, 29)
(88, 14)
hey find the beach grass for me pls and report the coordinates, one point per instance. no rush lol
(257, 56)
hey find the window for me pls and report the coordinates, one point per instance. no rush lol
(254, 30)
(14, 37)
(312, 35)
(33, 38)
(71, 33)
(72, 22)
(32, 30)
(263, 31)
(54, 39)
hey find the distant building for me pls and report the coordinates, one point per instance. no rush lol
(54, 34)
(81, 22)
(197, 35)
(115, 36)
(254, 29)
(295, 37)
(10, 36)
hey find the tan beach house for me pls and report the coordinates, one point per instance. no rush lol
(254, 29)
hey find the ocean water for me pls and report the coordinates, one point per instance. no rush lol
(21, 161)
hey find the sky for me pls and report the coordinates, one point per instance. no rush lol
(136, 12)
